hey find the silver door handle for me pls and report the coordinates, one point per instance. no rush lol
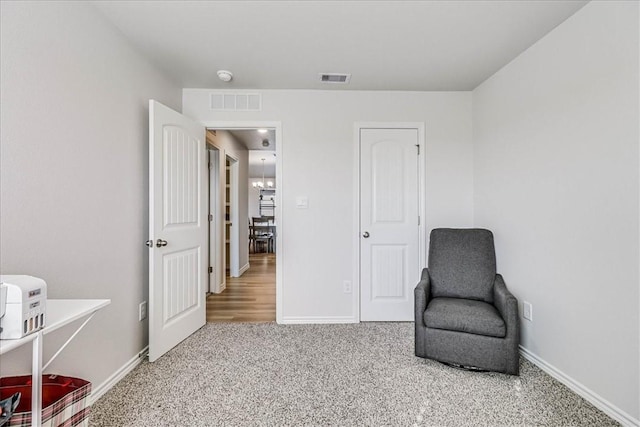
(365, 234)
(160, 243)
(149, 243)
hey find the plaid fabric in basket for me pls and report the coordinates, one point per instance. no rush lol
(64, 400)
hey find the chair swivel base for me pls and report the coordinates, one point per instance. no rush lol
(464, 367)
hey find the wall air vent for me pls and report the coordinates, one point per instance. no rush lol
(236, 101)
(335, 78)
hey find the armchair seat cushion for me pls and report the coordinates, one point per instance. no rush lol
(464, 315)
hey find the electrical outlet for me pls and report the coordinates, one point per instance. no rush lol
(142, 311)
(346, 286)
(527, 310)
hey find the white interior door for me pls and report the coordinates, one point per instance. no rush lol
(178, 228)
(389, 223)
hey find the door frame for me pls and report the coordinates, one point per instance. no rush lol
(422, 164)
(277, 126)
(216, 279)
(234, 235)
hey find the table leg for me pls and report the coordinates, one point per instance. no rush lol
(36, 381)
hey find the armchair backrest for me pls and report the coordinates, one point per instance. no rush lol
(462, 263)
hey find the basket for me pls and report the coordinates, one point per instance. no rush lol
(64, 400)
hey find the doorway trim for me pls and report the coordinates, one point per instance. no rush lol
(422, 162)
(217, 280)
(234, 234)
(236, 125)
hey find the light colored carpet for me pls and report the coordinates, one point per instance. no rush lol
(235, 374)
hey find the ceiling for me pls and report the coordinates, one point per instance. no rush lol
(252, 139)
(384, 45)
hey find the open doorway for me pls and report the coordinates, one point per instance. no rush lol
(249, 200)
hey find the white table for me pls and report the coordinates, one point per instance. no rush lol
(60, 312)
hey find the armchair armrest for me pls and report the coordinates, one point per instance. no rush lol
(507, 306)
(421, 294)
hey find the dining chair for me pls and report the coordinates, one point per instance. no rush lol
(260, 233)
(263, 230)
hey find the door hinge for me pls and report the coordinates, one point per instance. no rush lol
(418, 147)
(418, 219)
(210, 269)
(210, 217)
(210, 165)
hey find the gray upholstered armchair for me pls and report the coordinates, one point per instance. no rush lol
(464, 313)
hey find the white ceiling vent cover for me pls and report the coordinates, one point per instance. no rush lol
(335, 78)
(236, 101)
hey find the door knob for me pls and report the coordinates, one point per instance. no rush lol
(160, 243)
(149, 243)
(365, 234)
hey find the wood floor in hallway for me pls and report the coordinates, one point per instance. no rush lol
(250, 297)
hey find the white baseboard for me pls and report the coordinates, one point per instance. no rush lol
(596, 400)
(98, 392)
(243, 269)
(294, 320)
(221, 287)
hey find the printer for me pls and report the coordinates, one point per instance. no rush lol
(24, 306)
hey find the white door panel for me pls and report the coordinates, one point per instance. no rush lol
(388, 267)
(389, 210)
(177, 216)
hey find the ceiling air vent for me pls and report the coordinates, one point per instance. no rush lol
(335, 78)
(236, 101)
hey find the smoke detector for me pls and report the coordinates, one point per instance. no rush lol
(225, 76)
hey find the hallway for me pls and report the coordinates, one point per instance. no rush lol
(249, 298)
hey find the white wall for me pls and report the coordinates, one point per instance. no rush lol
(74, 174)
(556, 178)
(318, 162)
